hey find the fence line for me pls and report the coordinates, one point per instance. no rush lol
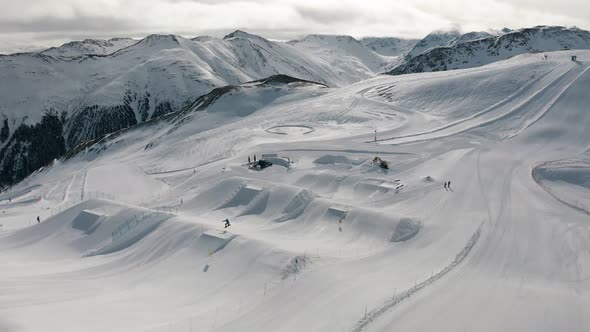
(397, 298)
(137, 220)
(89, 195)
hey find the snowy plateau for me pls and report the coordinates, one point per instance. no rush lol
(378, 184)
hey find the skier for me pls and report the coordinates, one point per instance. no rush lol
(38, 220)
(227, 224)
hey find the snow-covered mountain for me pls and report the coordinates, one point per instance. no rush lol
(481, 51)
(474, 35)
(434, 39)
(349, 58)
(93, 91)
(440, 38)
(389, 46)
(90, 46)
(82, 91)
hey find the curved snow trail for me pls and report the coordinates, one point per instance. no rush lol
(309, 129)
(546, 109)
(564, 81)
(491, 108)
(553, 194)
(375, 313)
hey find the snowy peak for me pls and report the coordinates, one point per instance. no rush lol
(90, 47)
(329, 40)
(389, 46)
(474, 35)
(334, 48)
(432, 40)
(243, 34)
(159, 40)
(202, 39)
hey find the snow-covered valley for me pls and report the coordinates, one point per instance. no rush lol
(131, 234)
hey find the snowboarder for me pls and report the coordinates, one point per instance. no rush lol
(449, 185)
(227, 224)
(445, 185)
(38, 220)
(249, 161)
(254, 158)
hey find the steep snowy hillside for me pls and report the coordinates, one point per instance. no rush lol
(389, 46)
(486, 50)
(478, 221)
(92, 95)
(474, 35)
(90, 46)
(432, 40)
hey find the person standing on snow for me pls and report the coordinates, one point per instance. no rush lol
(38, 220)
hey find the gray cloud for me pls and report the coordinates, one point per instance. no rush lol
(77, 23)
(326, 15)
(39, 23)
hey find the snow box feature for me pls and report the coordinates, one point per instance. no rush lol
(214, 240)
(336, 213)
(243, 196)
(88, 220)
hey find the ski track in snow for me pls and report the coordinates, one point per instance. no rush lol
(504, 115)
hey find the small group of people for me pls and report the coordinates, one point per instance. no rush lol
(447, 185)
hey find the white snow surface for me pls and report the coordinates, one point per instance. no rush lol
(132, 236)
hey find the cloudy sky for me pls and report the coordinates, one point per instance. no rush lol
(34, 24)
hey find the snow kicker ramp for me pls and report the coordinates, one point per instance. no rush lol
(214, 240)
(88, 220)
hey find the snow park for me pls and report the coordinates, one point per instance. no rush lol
(321, 184)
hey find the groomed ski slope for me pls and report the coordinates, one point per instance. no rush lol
(132, 237)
